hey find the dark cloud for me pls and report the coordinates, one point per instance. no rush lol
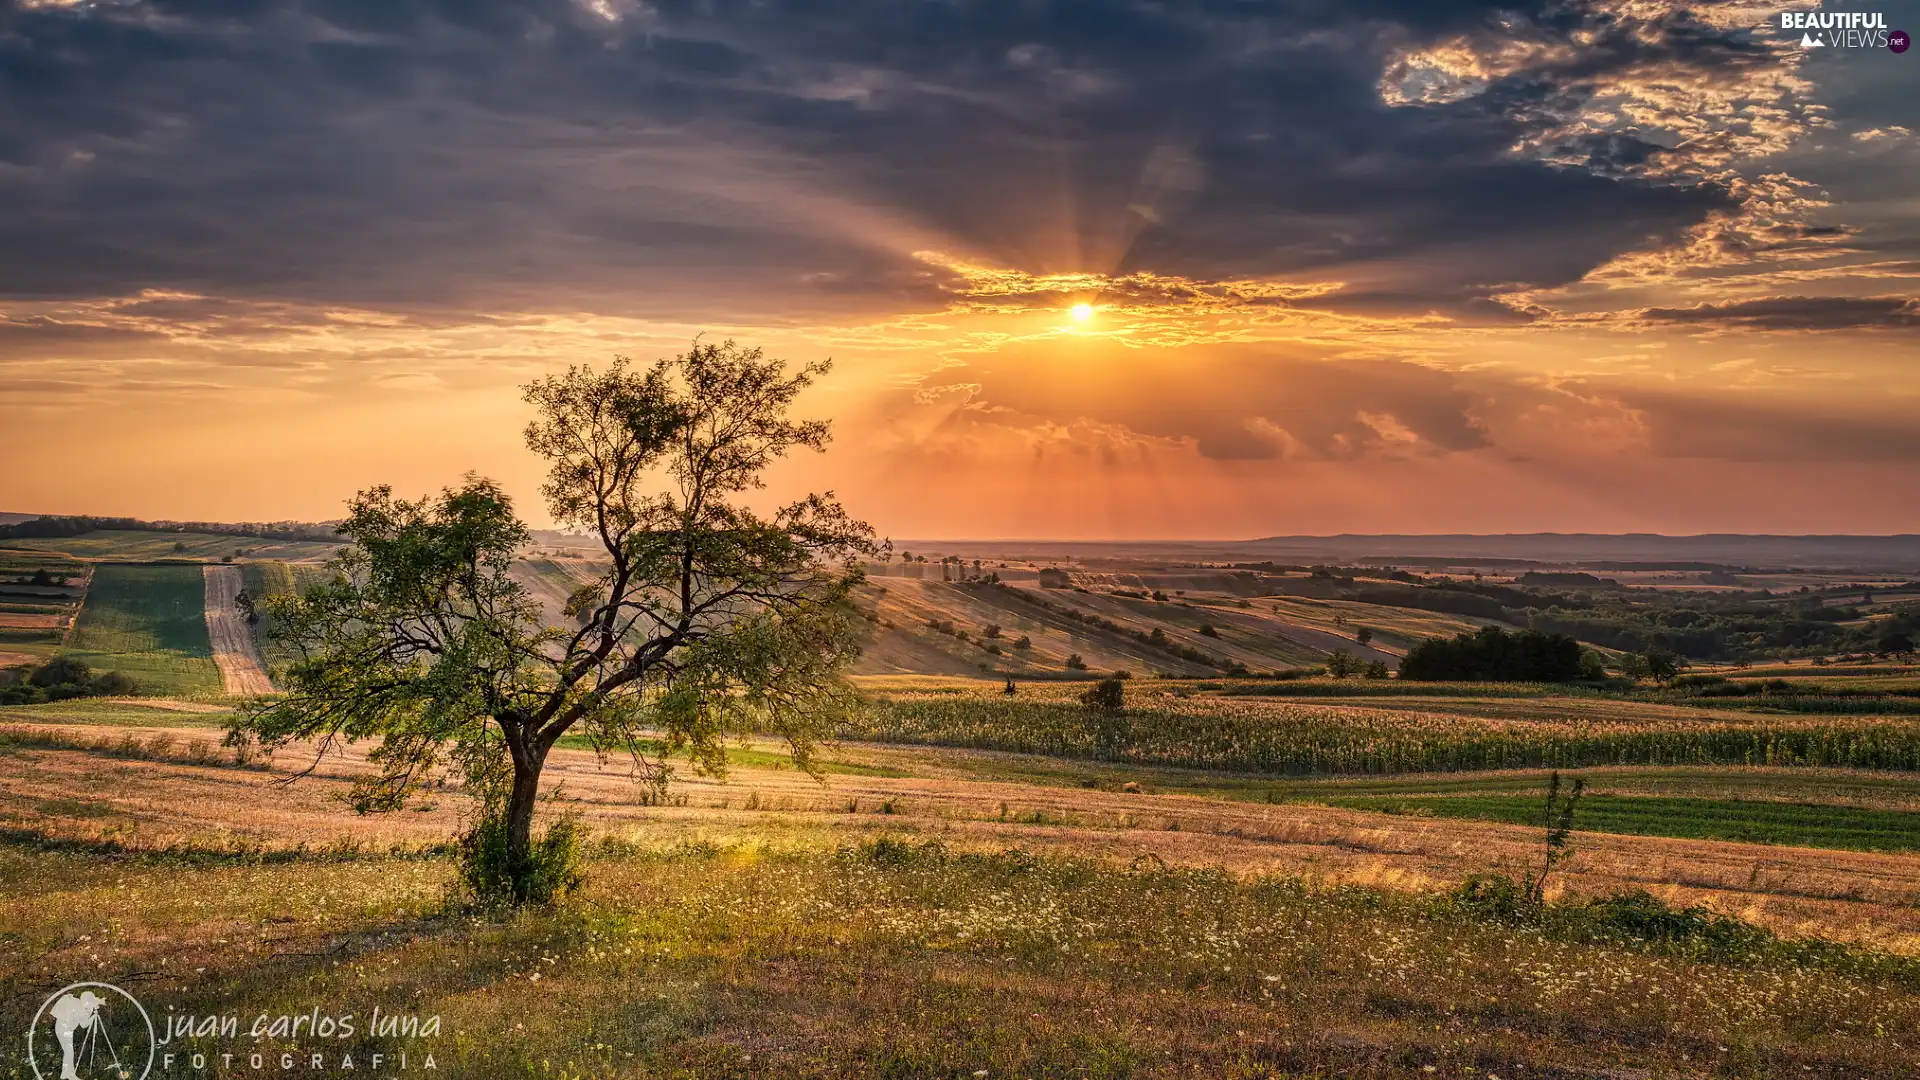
(682, 156)
(1801, 313)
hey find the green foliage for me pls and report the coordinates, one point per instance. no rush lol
(493, 874)
(1341, 663)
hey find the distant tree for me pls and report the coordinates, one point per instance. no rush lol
(1024, 643)
(1376, 670)
(179, 546)
(992, 630)
(709, 618)
(243, 600)
(1075, 663)
(1363, 635)
(1494, 655)
(1341, 663)
(1207, 630)
(1158, 637)
(1895, 642)
(1593, 666)
(1663, 665)
(61, 671)
(1107, 695)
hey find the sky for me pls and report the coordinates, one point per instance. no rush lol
(1180, 269)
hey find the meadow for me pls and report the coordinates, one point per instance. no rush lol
(903, 957)
(148, 621)
(931, 911)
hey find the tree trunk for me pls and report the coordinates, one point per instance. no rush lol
(526, 792)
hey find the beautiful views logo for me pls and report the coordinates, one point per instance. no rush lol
(1844, 30)
(91, 1031)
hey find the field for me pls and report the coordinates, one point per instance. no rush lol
(1182, 725)
(229, 634)
(938, 912)
(132, 546)
(148, 622)
(39, 595)
(1228, 877)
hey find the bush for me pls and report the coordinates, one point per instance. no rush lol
(62, 678)
(1107, 695)
(490, 878)
(1495, 897)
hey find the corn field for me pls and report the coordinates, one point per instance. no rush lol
(1301, 738)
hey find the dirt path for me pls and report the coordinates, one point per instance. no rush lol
(233, 647)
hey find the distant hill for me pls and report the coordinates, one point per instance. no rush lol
(1898, 553)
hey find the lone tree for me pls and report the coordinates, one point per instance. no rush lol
(710, 618)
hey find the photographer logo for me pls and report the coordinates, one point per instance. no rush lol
(90, 1031)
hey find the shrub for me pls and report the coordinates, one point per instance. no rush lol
(1107, 695)
(550, 869)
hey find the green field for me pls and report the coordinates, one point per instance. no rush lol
(148, 622)
(1849, 828)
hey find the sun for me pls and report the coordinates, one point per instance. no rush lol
(1081, 312)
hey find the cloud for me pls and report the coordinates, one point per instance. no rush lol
(1776, 430)
(1799, 313)
(787, 160)
(1226, 403)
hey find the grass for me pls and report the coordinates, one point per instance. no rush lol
(97, 712)
(148, 622)
(1848, 828)
(896, 959)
